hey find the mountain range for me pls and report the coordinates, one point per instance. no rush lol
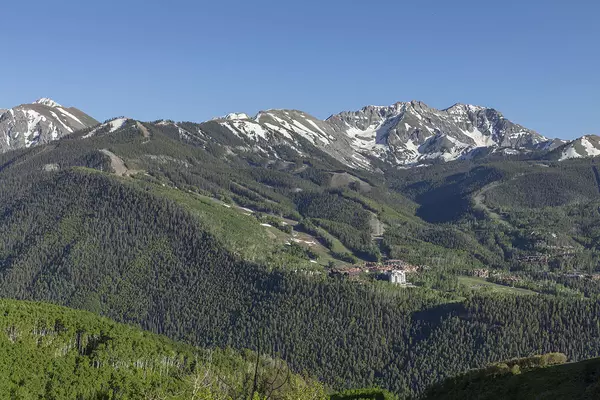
(402, 135)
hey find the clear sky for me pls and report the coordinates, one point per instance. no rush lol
(537, 61)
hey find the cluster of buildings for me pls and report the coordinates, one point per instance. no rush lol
(481, 273)
(393, 270)
(539, 258)
(389, 265)
(554, 252)
(508, 279)
(581, 275)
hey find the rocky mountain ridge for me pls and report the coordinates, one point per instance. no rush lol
(401, 135)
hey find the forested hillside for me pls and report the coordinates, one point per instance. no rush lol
(212, 243)
(537, 377)
(54, 352)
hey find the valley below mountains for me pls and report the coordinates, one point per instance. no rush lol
(253, 256)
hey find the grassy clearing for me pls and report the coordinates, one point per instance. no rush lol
(240, 233)
(481, 284)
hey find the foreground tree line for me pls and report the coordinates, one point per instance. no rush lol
(58, 353)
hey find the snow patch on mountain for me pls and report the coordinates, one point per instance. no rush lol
(591, 149)
(110, 127)
(67, 128)
(117, 124)
(68, 114)
(33, 129)
(234, 116)
(291, 121)
(47, 102)
(246, 128)
(585, 146)
(479, 138)
(569, 153)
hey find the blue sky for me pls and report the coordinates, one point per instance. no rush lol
(536, 61)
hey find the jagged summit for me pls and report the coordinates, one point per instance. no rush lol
(233, 116)
(461, 108)
(47, 102)
(412, 132)
(402, 134)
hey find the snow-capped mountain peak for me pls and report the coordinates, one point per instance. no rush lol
(39, 122)
(47, 102)
(231, 116)
(462, 109)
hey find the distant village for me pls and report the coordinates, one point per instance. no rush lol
(509, 279)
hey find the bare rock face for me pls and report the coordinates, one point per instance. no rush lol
(403, 134)
(39, 122)
(410, 132)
